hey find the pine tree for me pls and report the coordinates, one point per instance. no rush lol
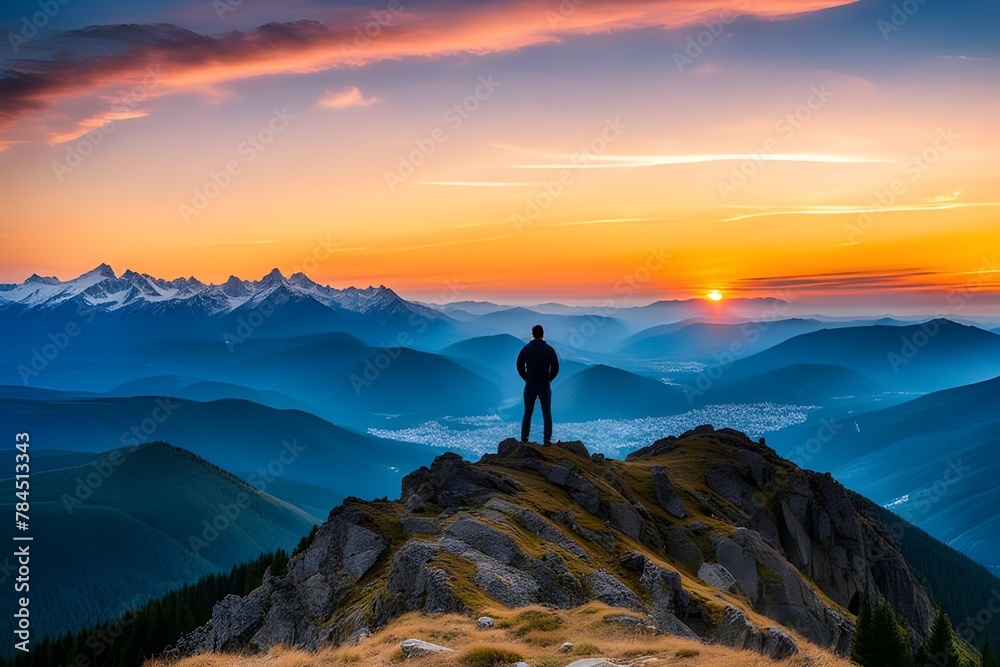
(989, 659)
(879, 639)
(892, 644)
(862, 647)
(939, 649)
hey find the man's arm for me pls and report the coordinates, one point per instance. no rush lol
(522, 366)
(553, 366)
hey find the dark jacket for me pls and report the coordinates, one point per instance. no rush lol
(537, 362)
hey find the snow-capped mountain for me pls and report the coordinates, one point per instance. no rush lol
(131, 292)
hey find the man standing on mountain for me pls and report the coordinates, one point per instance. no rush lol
(538, 365)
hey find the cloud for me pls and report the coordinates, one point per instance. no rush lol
(860, 210)
(846, 280)
(348, 97)
(82, 64)
(478, 184)
(940, 199)
(94, 122)
(602, 221)
(632, 161)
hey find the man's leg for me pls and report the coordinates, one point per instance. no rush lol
(529, 409)
(545, 398)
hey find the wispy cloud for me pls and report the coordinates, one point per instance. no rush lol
(234, 243)
(633, 161)
(856, 210)
(438, 244)
(944, 198)
(348, 97)
(478, 184)
(602, 221)
(93, 122)
(844, 280)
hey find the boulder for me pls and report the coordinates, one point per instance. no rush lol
(415, 648)
(717, 576)
(452, 482)
(610, 590)
(736, 631)
(778, 645)
(666, 494)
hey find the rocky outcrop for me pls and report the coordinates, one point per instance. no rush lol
(809, 533)
(295, 609)
(555, 526)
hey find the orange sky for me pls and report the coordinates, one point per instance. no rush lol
(500, 199)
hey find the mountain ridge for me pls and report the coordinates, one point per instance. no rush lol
(710, 535)
(103, 289)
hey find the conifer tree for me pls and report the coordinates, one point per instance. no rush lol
(892, 644)
(862, 647)
(939, 649)
(988, 659)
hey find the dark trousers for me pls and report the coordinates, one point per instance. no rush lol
(544, 395)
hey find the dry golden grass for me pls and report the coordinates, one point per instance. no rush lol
(534, 640)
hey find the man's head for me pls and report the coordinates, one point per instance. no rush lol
(537, 331)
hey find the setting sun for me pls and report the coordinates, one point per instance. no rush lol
(715, 295)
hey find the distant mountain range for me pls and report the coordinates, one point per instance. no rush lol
(934, 458)
(930, 356)
(317, 462)
(102, 289)
(705, 341)
(637, 317)
(605, 392)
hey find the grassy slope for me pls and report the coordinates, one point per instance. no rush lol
(585, 626)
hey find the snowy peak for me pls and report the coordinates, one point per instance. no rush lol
(102, 271)
(130, 292)
(36, 279)
(235, 288)
(273, 278)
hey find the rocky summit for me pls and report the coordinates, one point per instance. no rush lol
(708, 536)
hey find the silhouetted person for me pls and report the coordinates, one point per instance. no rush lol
(538, 365)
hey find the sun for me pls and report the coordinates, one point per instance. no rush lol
(715, 295)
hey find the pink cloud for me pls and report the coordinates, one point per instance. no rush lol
(348, 97)
(93, 60)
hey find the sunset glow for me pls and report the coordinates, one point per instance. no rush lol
(523, 154)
